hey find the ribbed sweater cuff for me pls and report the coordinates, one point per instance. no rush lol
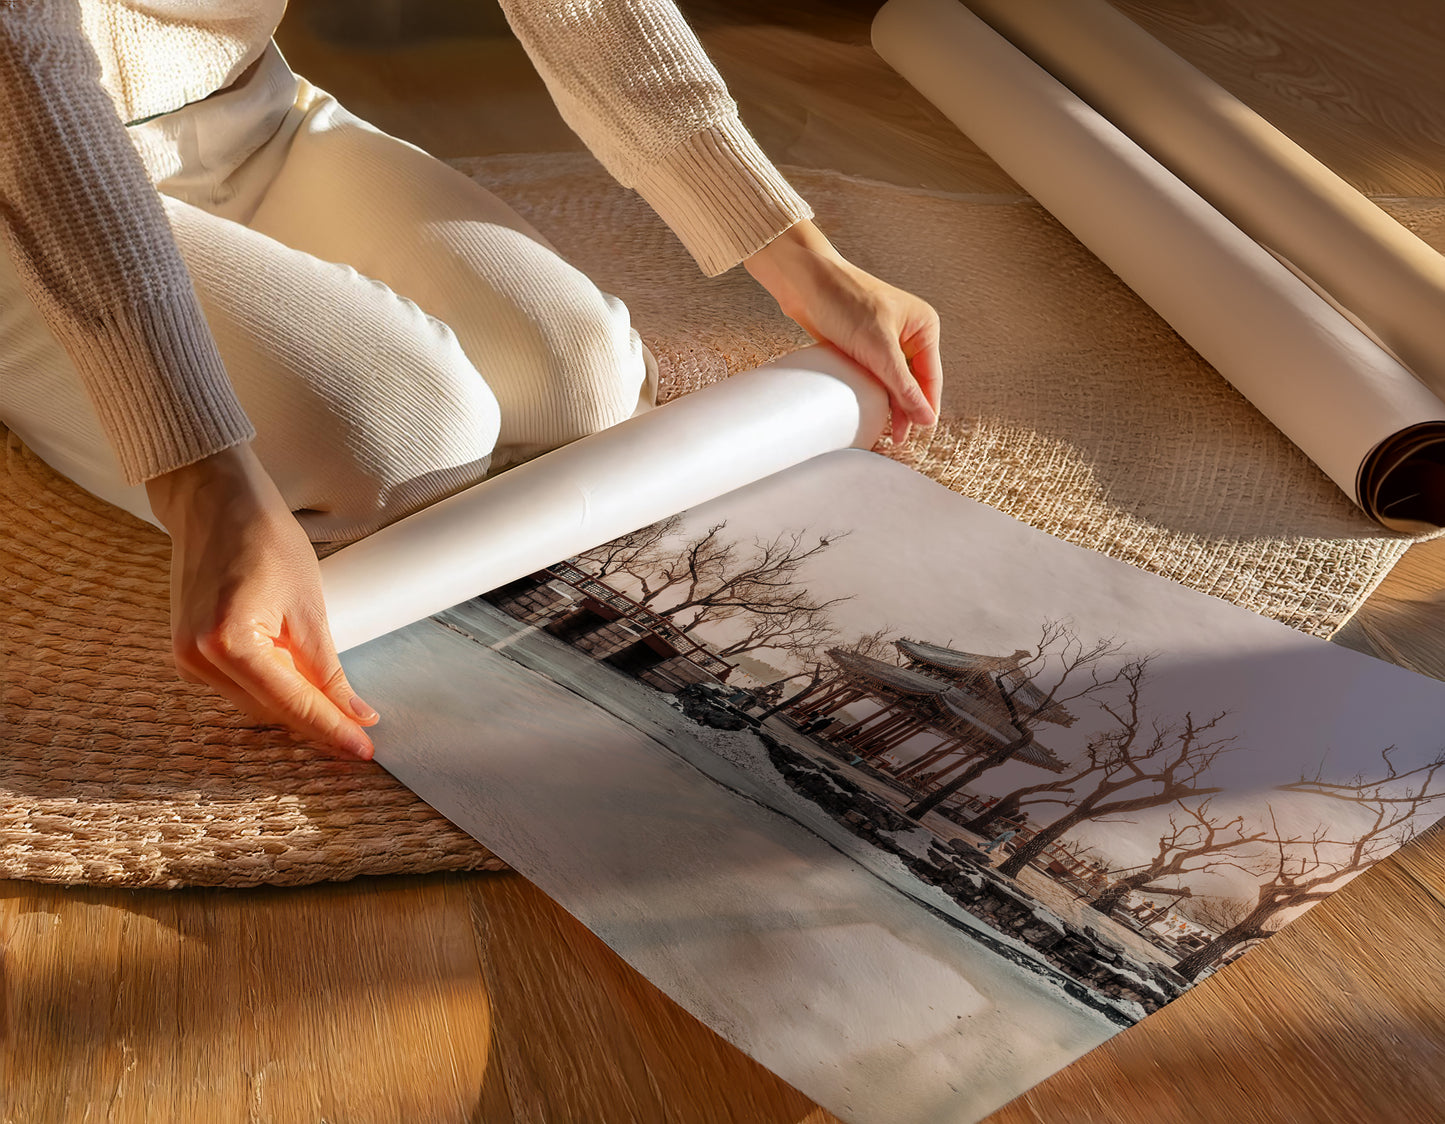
(722, 196)
(159, 387)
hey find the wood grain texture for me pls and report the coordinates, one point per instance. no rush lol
(1359, 85)
(361, 1001)
(1404, 619)
(371, 1001)
(474, 998)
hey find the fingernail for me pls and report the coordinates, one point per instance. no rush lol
(361, 710)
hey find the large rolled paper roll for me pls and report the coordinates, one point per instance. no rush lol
(1384, 278)
(1350, 405)
(684, 453)
(1265, 183)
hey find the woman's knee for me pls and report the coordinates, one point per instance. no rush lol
(363, 448)
(560, 355)
(589, 370)
(608, 357)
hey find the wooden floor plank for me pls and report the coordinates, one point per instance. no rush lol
(1359, 85)
(362, 1002)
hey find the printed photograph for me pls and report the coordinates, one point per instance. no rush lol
(1092, 788)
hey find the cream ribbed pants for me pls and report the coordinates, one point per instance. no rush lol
(393, 330)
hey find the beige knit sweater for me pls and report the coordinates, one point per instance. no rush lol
(93, 246)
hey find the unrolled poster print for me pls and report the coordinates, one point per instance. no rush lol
(912, 802)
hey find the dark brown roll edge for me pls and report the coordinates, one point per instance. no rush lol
(1402, 482)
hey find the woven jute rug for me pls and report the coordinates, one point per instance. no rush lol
(1069, 405)
(113, 771)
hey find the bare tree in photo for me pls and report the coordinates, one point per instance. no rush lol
(1220, 914)
(1133, 766)
(1304, 871)
(1079, 677)
(818, 665)
(1196, 842)
(657, 566)
(720, 582)
(711, 579)
(1215, 912)
(783, 624)
(1013, 804)
(636, 553)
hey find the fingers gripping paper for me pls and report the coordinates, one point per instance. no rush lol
(1347, 402)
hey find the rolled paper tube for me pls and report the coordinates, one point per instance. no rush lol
(684, 453)
(1379, 275)
(1261, 180)
(1333, 391)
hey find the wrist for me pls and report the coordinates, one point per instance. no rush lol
(219, 478)
(793, 261)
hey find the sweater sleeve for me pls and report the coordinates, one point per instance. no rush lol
(631, 79)
(95, 252)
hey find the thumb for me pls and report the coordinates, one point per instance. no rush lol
(316, 658)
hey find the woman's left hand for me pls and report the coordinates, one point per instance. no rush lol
(887, 331)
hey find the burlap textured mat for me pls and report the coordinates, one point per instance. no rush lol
(1069, 405)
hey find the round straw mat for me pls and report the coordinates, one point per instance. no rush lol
(1069, 405)
(116, 772)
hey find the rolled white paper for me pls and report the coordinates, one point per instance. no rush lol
(684, 453)
(1265, 183)
(1329, 388)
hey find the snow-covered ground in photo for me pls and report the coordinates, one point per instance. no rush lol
(916, 841)
(742, 900)
(761, 780)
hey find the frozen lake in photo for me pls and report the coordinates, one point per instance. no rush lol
(761, 926)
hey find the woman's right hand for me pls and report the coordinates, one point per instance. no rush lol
(247, 615)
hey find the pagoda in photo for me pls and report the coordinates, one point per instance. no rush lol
(968, 704)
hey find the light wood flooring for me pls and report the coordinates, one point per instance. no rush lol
(474, 998)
